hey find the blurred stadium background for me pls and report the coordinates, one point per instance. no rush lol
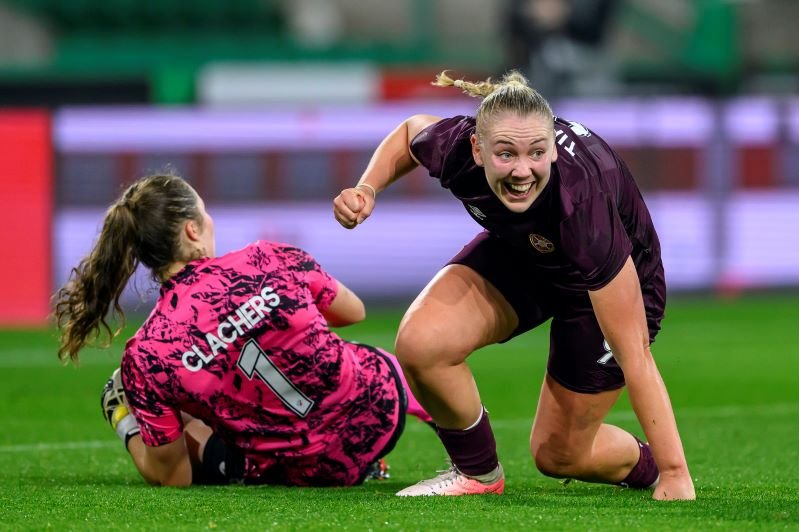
(270, 107)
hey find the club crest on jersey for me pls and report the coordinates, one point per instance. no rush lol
(477, 213)
(541, 244)
(579, 129)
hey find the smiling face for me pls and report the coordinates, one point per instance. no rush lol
(517, 153)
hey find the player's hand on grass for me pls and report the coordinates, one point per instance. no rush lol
(353, 205)
(674, 487)
(115, 408)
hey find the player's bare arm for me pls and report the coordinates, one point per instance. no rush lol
(620, 312)
(346, 309)
(392, 160)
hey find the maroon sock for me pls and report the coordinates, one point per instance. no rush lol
(645, 472)
(473, 451)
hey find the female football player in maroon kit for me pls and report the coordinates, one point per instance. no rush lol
(567, 236)
(235, 376)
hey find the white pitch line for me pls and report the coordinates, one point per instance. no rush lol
(682, 413)
(627, 415)
(60, 446)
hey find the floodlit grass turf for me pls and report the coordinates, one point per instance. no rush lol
(732, 368)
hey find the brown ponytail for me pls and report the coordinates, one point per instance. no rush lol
(96, 284)
(142, 226)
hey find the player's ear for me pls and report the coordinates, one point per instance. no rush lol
(192, 230)
(476, 153)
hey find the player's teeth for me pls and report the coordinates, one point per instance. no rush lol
(520, 188)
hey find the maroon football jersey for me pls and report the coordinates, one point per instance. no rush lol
(585, 223)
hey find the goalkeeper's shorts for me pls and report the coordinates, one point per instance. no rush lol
(221, 464)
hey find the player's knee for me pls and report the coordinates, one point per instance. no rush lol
(419, 347)
(554, 460)
(414, 347)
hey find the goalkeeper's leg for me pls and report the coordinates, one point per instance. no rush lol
(212, 461)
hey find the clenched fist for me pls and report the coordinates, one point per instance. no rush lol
(353, 205)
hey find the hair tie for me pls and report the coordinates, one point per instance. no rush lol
(370, 187)
(458, 83)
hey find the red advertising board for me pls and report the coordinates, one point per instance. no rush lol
(26, 198)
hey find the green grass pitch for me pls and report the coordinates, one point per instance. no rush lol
(732, 368)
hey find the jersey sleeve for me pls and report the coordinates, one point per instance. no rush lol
(445, 148)
(159, 423)
(308, 272)
(322, 285)
(595, 241)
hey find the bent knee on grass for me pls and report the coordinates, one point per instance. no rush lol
(559, 461)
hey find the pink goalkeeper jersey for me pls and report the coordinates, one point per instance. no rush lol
(239, 341)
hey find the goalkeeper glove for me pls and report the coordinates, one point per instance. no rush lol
(115, 408)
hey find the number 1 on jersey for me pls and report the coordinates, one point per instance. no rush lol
(253, 361)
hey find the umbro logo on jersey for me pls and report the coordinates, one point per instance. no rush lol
(541, 244)
(477, 213)
(579, 129)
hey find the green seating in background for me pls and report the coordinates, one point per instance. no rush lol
(168, 41)
(705, 54)
(150, 15)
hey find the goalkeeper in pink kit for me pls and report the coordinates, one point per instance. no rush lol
(235, 376)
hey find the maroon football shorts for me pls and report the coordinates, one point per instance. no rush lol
(579, 357)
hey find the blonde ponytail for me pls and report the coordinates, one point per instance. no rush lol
(512, 93)
(479, 89)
